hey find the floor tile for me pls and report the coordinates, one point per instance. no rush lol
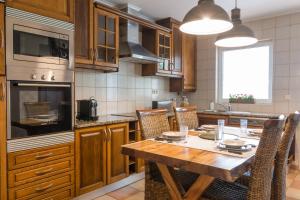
(289, 182)
(138, 196)
(105, 197)
(295, 184)
(139, 185)
(293, 193)
(123, 193)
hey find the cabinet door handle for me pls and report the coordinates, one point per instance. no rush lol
(2, 39)
(96, 53)
(40, 173)
(38, 157)
(109, 135)
(92, 54)
(1, 92)
(40, 189)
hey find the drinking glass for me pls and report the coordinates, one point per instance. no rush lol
(220, 132)
(184, 130)
(243, 125)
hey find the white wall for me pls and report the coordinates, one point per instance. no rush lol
(284, 31)
(121, 92)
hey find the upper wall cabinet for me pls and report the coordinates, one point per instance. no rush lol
(58, 9)
(159, 42)
(84, 27)
(183, 58)
(188, 83)
(96, 37)
(106, 38)
(2, 41)
(176, 44)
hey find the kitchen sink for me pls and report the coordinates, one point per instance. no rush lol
(228, 112)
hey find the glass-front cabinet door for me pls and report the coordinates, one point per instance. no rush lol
(164, 51)
(106, 39)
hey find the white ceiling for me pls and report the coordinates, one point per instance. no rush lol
(251, 9)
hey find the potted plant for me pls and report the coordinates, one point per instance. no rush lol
(241, 98)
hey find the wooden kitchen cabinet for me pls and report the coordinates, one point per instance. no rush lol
(176, 40)
(58, 9)
(160, 43)
(211, 119)
(84, 36)
(41, 173)
(117, 163)
(188, 83)
(2, 40)
(90, 159)
(98, 156)
(96, 37)
(3, 160)
(106, 38)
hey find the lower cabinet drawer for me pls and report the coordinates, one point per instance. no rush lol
(37, 172)
(66, 193)
(28, 158)
(41, 187)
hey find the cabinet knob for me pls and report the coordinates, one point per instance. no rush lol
(33, 76)
(43, 77)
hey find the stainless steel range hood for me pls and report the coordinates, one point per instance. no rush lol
(131, 49)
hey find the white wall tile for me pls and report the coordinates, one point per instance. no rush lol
(101, 94)
(116, 90)
(122, 94)
(101, 80)
(112, 108)
(282, 45)
(112, 94)
(295, 30)
(282, 32)
(283, 21)
(122, 81)
(112, 80)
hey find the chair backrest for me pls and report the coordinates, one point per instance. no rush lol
(279, 177)
(262, 169)
(153, 122)
(186, 116)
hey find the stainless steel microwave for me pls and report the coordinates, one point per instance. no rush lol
(37, 41)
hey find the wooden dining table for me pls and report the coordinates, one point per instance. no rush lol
(209, 165)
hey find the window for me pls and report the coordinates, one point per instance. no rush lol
(246, 71)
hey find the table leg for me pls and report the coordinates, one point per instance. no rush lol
(198, 187)
(194, 192)
(170, 183)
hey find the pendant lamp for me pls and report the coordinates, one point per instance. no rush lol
(239, 36)
(205, 19)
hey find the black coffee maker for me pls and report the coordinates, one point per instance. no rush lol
(87, 109)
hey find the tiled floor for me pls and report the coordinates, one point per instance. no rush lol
(136, 190)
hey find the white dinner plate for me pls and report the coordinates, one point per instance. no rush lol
(234, 143)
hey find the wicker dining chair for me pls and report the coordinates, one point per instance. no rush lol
(261, 174)
(186, 116)
(281, 159)
(153, 123)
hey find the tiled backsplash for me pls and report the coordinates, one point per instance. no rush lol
(284, 32)
(121, 92)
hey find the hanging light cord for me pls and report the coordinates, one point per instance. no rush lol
(235, 3)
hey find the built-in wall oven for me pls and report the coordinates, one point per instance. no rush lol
(38, 108)
(40, 80)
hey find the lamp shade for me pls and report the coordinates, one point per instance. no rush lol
(239, 36)
(205, 19)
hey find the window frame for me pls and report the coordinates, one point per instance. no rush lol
(219, 74)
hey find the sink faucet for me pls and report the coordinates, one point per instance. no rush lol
(227, 106)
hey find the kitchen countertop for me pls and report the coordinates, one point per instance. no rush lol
(110, 119)
(238, 113)
(104, 120)
(128, 117)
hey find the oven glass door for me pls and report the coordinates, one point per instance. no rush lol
(39, 109)
(36, 45)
